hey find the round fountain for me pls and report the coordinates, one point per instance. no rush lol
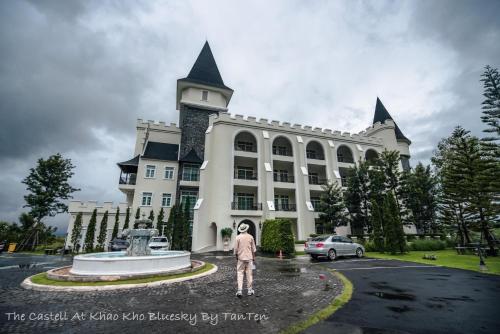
(138, 260)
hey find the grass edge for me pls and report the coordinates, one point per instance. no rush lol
(324, 313)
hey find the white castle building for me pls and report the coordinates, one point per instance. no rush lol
(237, 169)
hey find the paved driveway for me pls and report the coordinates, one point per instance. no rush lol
(398, 297)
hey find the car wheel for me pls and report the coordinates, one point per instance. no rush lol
(359, 253)
(332, 255)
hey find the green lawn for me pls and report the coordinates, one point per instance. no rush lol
(446, 258)
(44, 280)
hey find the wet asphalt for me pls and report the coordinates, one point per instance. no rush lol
(401, 297)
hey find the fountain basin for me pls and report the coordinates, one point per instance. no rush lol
(119, 264)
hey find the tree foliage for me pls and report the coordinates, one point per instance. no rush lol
(90, 235)
(277, 235)
(76, 232)
(127, 219)
(332, 210)
(116, 226)
(159, 220)
(393, 233)
(357, 198)
(103, 229)
(491, 104)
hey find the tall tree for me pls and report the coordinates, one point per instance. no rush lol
(394, 233)
(377, 222)
(127, 219)
(103, 229)
(169, 230)
(76, 232)
(331, 208)
(357, 198)
(138, 213)
(48, 189)
(186, 224)
(151, 216)
(90, 235)
(491, 103)
(117, 224)
(419, 196)
(159, 221)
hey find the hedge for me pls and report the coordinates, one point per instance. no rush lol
(427, 245)
(277, 235)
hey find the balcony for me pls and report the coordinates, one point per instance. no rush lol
(245, 174)
(126, 183)
(284, 178)
(246, 206)
(282, 151)
(285, 207)
(315, 155)
(317, 181)
(245, 148)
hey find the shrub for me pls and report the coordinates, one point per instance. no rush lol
(370, 247)
(300, 242)
(226, 233)
(277, 235)
(427, 245)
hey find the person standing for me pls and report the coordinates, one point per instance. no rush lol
(244, 249)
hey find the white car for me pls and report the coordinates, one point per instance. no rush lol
(159, 243)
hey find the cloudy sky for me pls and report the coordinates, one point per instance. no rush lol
(75, 75)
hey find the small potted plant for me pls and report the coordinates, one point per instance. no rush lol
(226, 236)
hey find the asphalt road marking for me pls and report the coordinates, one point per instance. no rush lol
(373, 268)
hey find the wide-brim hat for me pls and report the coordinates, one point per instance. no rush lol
(243, 228)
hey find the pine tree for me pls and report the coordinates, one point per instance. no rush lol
(159, 221)
(377, 223)
(491, 104)
(138, 213)
(117, 224)
(90, 235)
(127, 219)
(357, 199)
(103, 229)
(419, 196)
(394, 232)
(331, 208)
(76, 232)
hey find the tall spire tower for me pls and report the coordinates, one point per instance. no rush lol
(200, 94)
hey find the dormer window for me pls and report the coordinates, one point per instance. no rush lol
(204, 95)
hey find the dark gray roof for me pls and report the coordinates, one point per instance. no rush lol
(191, 157)
(161, 151)
(381, 114)
(129, 166)
(205, 70)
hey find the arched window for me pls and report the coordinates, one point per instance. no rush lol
(371, 155)
(344, 154)
(314, 150)
(245, 141)
(282, 146)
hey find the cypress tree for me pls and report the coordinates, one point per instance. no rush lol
(117, 223)
(159, 221)
(90, 235)
(171, 226)
(127, 219)
(151, 216)
(186, 224)
(76, 233)
(101, 238)
(376, 219)
(138, 213)
(394, 233)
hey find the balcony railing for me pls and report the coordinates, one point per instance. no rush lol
(341, 158)
(246, 206)
(128, 179)
(190, 177)
(245, 148)
(284, 178)
(285, 207)
(281, 151)
(316, 180)
(244, 174)
(316, 156)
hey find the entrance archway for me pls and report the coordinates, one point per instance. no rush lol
(251, 229)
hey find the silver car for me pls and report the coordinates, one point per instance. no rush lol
(332, 246)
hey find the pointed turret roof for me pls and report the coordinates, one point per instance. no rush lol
(381, 114)
(205, 70)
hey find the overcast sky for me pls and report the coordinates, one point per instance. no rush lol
(75, 75)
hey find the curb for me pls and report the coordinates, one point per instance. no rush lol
(28, 284)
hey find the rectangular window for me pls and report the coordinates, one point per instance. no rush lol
(281, 202)
(150, 171)
(169, 173)
(315, 202)
(204, 95)
(192, 196)
(166, 200)
(245, 146)
(191, 172)
(245, 201)
(146, 199)
(313, 178)
(245, 173)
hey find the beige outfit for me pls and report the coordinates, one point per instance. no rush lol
(244, 248)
